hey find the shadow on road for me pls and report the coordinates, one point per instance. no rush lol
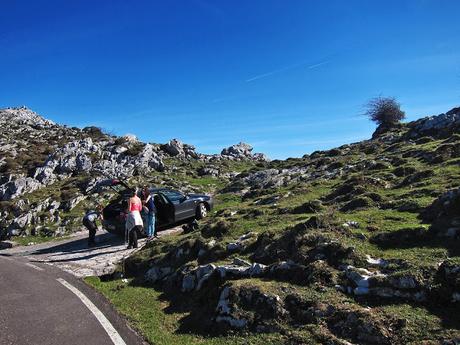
(80, 258)
(81, 246)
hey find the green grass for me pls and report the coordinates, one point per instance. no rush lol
(148, 313)
(422, 323)
(145, 311)
(25, 240)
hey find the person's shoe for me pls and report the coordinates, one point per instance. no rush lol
(130, 247)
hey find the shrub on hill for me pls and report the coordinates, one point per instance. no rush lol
(384, 111)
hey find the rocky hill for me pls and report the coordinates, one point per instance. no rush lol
(354, 245)
(358, 244)
(50, 173)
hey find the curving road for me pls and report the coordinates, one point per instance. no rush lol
(41, 304)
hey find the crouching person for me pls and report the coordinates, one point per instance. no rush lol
(89, 221)
(134, 222)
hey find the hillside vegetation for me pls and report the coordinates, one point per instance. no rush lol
(358, 244)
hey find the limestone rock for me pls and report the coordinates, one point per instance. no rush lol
(435, 125)
(242, 151)
(176, 147)
(17, 187)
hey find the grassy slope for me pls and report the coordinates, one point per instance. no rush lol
(148, 313)
(147, 309)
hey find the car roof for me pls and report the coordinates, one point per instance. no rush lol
(159, 190)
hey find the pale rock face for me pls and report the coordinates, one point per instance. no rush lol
(149, 159)
(242, 151)
(376, 262)
(130, 138)
(88, 156)
(366, 282)
(265, 178)
(21, 185)
(176, 147)
(74, 157)
(23, 115)
(224, 310)
(360, 276)
(22, 221)
(449, 120)
(83, 163)
(45, 174)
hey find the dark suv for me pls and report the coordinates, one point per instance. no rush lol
(173, 207)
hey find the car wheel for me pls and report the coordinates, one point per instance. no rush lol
(201, 211)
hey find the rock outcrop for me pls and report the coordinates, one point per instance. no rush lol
(439, 125)
(242, 151)
(176, 147)
(37, 154)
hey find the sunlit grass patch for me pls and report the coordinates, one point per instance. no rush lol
(148, 313)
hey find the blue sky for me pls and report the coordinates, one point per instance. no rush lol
(288, 77)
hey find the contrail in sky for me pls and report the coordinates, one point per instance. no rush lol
(318, 64)
(265, 75)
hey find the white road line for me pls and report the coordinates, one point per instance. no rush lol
(34, 267)
(111, 331)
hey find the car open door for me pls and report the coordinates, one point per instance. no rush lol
(165, 209)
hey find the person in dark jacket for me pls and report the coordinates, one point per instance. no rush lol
(89, 221)
(151, 212)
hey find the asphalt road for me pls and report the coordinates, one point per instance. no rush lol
(38, 307)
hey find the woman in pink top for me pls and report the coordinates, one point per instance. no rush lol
(135, 204)
(134, 222)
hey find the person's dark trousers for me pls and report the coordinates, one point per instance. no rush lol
(92, 231)
(133, 236)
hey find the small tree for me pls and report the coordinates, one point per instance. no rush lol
(384, 111)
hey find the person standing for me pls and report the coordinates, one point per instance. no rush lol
(89, 221)
(134, 221)
(151, 213)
